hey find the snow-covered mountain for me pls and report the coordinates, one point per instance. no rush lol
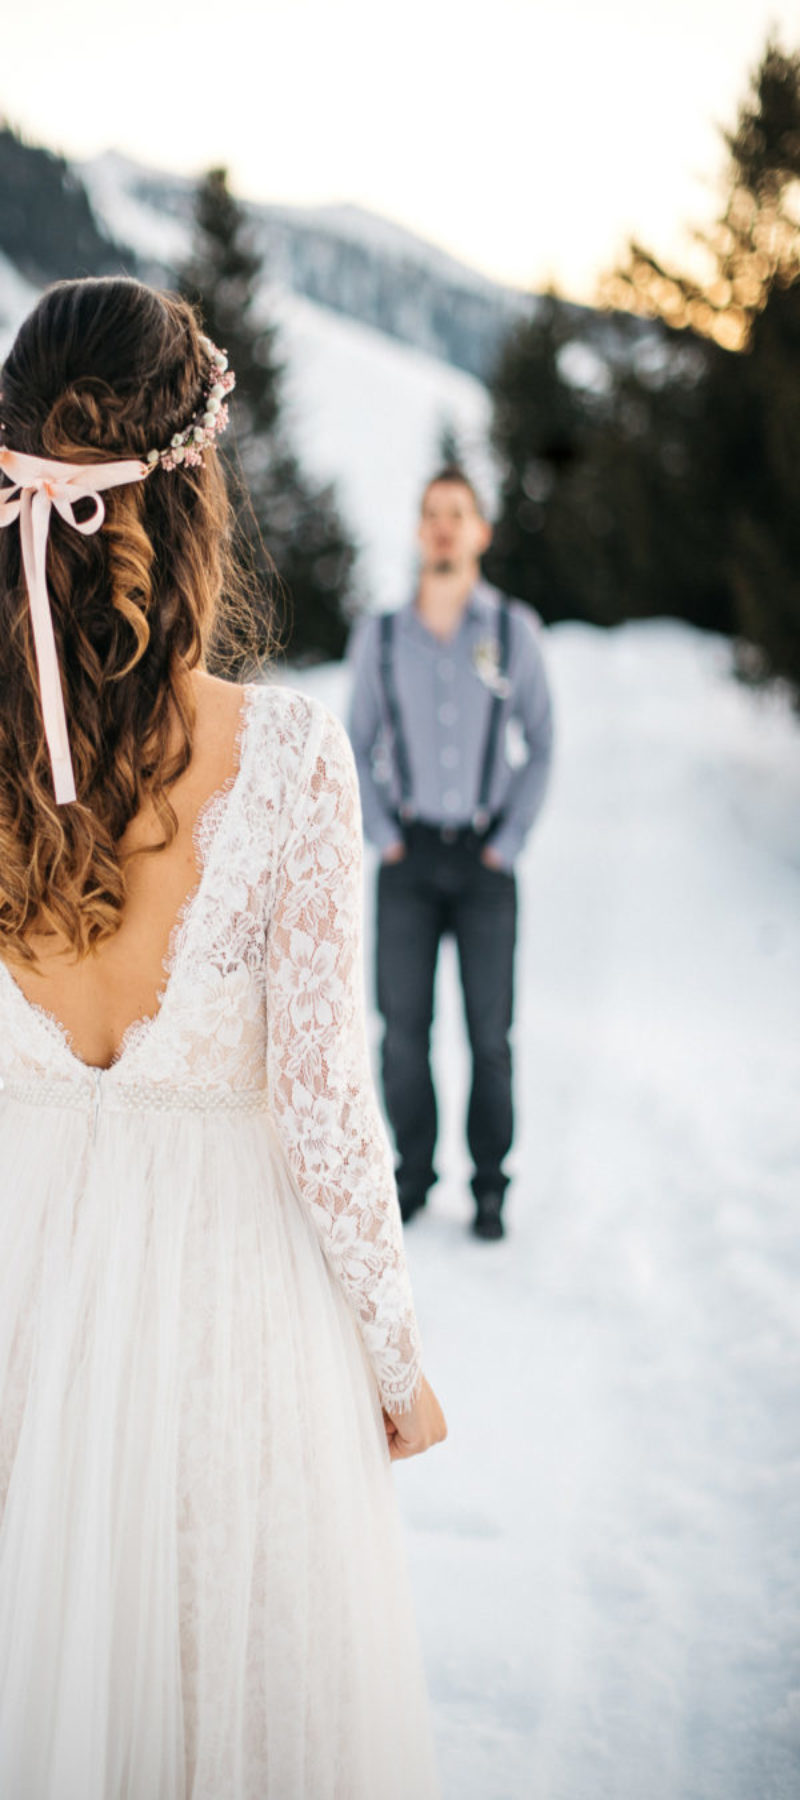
(346, 259)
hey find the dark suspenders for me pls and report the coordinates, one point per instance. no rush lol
(402, 764)
(481, 815)
(398, 735)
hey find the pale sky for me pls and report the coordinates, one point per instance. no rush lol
(528, 137)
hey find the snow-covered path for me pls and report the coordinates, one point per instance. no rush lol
(606, 1551)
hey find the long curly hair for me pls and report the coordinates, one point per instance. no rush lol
(104, 369)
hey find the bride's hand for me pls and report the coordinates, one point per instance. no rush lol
(409, 1433)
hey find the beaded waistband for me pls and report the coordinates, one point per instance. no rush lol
(94, 1093)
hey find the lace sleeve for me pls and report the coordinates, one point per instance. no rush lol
(320, 1082)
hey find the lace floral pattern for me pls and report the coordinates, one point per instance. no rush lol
(319, 1078)
(264, 982)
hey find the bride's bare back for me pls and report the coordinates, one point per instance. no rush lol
(96, 999)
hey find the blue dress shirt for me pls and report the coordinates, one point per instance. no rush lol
(444, 692)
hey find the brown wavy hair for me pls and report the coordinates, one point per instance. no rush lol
(104, 369)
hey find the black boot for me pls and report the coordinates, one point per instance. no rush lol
(410, 1203)
(488, 1221)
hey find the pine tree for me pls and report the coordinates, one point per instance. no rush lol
(759, 396)
(755, 244)
(536, 435)
(595, 515)
(284, 522)
(450, 452)
(747, 318)
(676, 487)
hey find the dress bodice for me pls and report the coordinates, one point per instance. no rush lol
(262, 1001)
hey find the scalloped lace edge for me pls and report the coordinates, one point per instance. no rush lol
(204, 833)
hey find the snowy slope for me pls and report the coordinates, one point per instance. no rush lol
(344, 258)
(156, 233)
(605, 1552)
(384, 235)
(115, 181)
(368, 413)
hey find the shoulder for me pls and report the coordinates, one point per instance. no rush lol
(297, 741)
(525, 622)
(366, 635)
(525, 628)
(526, 632)
(285, 718)
(276, 706)
(524, 618)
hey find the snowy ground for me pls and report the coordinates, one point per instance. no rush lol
(605, 1552)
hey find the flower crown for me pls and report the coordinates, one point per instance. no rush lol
(186, 448)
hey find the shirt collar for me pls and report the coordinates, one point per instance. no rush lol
(481, 603)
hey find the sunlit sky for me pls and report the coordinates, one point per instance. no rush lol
(529, 137)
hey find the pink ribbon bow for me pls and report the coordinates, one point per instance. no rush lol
(38, 486)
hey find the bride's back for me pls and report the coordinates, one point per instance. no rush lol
(96, 998)
(104, 371)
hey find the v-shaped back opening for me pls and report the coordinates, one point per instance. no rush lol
(205, 832)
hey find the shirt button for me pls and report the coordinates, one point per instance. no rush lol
(448, 713)
(450, 756)
(451, 800)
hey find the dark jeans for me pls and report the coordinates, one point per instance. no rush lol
(442, 887)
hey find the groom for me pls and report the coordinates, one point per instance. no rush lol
(451, 728)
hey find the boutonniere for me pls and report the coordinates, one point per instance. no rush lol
(486, 663)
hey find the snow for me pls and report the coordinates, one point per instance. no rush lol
(604, 1552)
(581, 367)
(113, 178)
(367, 412)
(111, 182)
(376, 232)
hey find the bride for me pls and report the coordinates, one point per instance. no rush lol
(208, 1349)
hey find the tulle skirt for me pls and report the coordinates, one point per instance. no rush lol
(202, 1590)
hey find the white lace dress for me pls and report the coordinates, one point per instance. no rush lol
(203, 1301)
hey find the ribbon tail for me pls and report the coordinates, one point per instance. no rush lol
(34, 521)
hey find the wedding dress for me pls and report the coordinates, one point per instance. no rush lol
(203, 1302)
